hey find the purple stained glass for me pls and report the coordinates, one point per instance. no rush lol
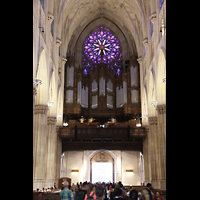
(101, 40)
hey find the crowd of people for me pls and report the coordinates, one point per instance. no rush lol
(103, 191)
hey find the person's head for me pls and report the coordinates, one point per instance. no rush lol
(113, 186)
(157, 194)
(149, 186)
(40, 195)
(99, 191)
(65, 184)
(139, 194)
(90, 188)
(85, 186)
(117, 191)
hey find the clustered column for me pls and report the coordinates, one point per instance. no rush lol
(39, 145)
(162, 143)
(154, 152)
(51, 151)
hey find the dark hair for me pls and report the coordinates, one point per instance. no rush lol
(113, 185)
(39, 193)
(90, 188)
(99, 191)
(148, 184)
(117, 192)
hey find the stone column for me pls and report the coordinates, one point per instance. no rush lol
(58, 153)
(147, 161)
(34, 94)
(51, 151)
(39, 145)
(162, 143)
(154, 152)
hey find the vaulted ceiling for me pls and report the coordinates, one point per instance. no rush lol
(73, 16)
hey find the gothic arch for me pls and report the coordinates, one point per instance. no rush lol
(107, 152)
(124, 41)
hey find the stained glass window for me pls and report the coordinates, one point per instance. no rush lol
(101, 39)
(161, 3)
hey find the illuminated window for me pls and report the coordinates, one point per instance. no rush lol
(161, 4)
(101, 39)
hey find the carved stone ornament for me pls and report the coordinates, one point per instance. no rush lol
(58, 42)
(145, 42)
(50, 17)
(41, 109)
(161, 109)
(153, 120)
(153, 17)
(51, 120)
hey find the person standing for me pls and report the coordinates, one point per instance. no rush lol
(146, 193)
(66, 194)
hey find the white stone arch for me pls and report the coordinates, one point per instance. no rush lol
(90, 156)
(42, 90)
(53, 96)
(124, 41)
(160, 74)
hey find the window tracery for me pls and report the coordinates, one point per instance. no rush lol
(103, 40)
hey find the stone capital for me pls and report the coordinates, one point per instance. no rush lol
(51, 120)
(40, 109)
(64, 60)
(153, 120)
(139, 60)
(145, 42)
(153, 17)
(58, 42)
(161, 109)
(50, 17)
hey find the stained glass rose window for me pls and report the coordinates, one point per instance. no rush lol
(102, 39)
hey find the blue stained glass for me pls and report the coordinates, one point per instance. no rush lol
(161, 4)
(102, 40)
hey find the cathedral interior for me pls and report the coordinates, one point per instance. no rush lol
(99, 90)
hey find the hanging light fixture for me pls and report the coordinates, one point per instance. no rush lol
(65, 123)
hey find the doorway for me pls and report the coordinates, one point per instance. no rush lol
(101, 168)
(102, 171)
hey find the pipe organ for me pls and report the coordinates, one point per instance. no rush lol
(101, 93)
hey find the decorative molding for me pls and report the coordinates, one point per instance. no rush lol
(58, 42)
(50, 17)
(139, 60)
(41, 109)
(153, 120)
(153, 17)
(51, 120)
(64, 60)
(161, 109)
(145, 42)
